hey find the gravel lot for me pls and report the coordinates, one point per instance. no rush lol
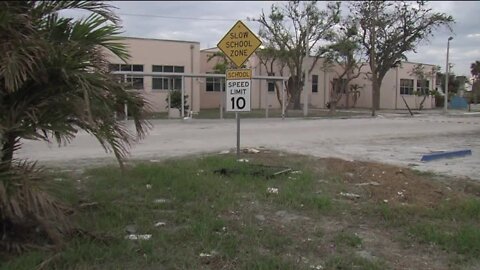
(392, 139)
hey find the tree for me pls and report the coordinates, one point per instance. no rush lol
(422, 76)
(223, 63)
(272, 60)
(391, 29)
(453, 82)
(293, 28)
(175, 97)
(344, 52)
(475, 71)
(54, 81)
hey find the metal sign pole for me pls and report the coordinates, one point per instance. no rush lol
(222, 97)
(237, 115)
(183, 98)
(283, 100)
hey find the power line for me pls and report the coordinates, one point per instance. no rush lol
(177, 18)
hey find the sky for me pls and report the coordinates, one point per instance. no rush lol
(208, 21)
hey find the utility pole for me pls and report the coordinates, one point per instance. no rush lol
(447, 71)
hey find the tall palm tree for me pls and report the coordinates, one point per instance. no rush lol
(54, 81)
(475, 71)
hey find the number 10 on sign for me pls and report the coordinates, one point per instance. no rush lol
(238, 95)
(238, 90)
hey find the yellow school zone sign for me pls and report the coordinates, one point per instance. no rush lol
(239, 43)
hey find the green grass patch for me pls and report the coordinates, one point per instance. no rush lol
(348, 239)
(464, 240)
(350, 261)
(211, 205)
(204, 212)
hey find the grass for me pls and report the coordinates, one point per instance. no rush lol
(348, 239)
(207, 211)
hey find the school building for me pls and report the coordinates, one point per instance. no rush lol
(173, 57)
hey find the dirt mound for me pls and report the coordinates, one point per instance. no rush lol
(387, 183)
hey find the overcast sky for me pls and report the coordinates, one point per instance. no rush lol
(208, 21)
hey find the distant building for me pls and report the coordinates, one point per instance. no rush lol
(173, 56)
(158, 55)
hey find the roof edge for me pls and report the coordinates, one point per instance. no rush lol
(159, 39)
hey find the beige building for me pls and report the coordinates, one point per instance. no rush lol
(399, 82)
(185, 57)
(163, 56)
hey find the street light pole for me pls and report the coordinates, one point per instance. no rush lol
(447, 71)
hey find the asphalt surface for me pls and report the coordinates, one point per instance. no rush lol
(392, 139)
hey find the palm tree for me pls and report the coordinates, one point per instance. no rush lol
(475, 71)
(54, 81)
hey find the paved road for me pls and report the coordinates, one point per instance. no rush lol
(394, 140)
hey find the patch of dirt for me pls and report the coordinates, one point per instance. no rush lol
(375, 183)
(383, 183)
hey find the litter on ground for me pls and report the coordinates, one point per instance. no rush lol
(272, 190)
(138, 236)
(373, 183)
(160, 224)
(349, 195)
(160, 201)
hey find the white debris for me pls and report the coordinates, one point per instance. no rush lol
(148, 186)
(349, 174)
(160, 201)
(138, 236)
(243, 160)
(154, 160)
(251, 151)
(292, 178)
(160, 224)
(272, 190)
(58, 179)
(205, 255)
(224, 152)
(208, 255)
(349, 195)
(400, 193)
(373, 183)
(316, 267)
(296, 172)
(385, 201)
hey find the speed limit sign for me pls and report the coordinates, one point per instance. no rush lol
(238, 90)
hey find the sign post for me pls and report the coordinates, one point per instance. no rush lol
(238, 45)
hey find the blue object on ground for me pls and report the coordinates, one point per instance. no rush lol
(446, 154)
(458, 103)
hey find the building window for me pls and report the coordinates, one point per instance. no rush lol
(125, 67)
(406, 87)
(113, 67)
(314, 83)
(166, 83)
(340, 86)
(213, 84)
(169, 69)
(162, 83)
(135, 81)
(423, 87)
(271, 83)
